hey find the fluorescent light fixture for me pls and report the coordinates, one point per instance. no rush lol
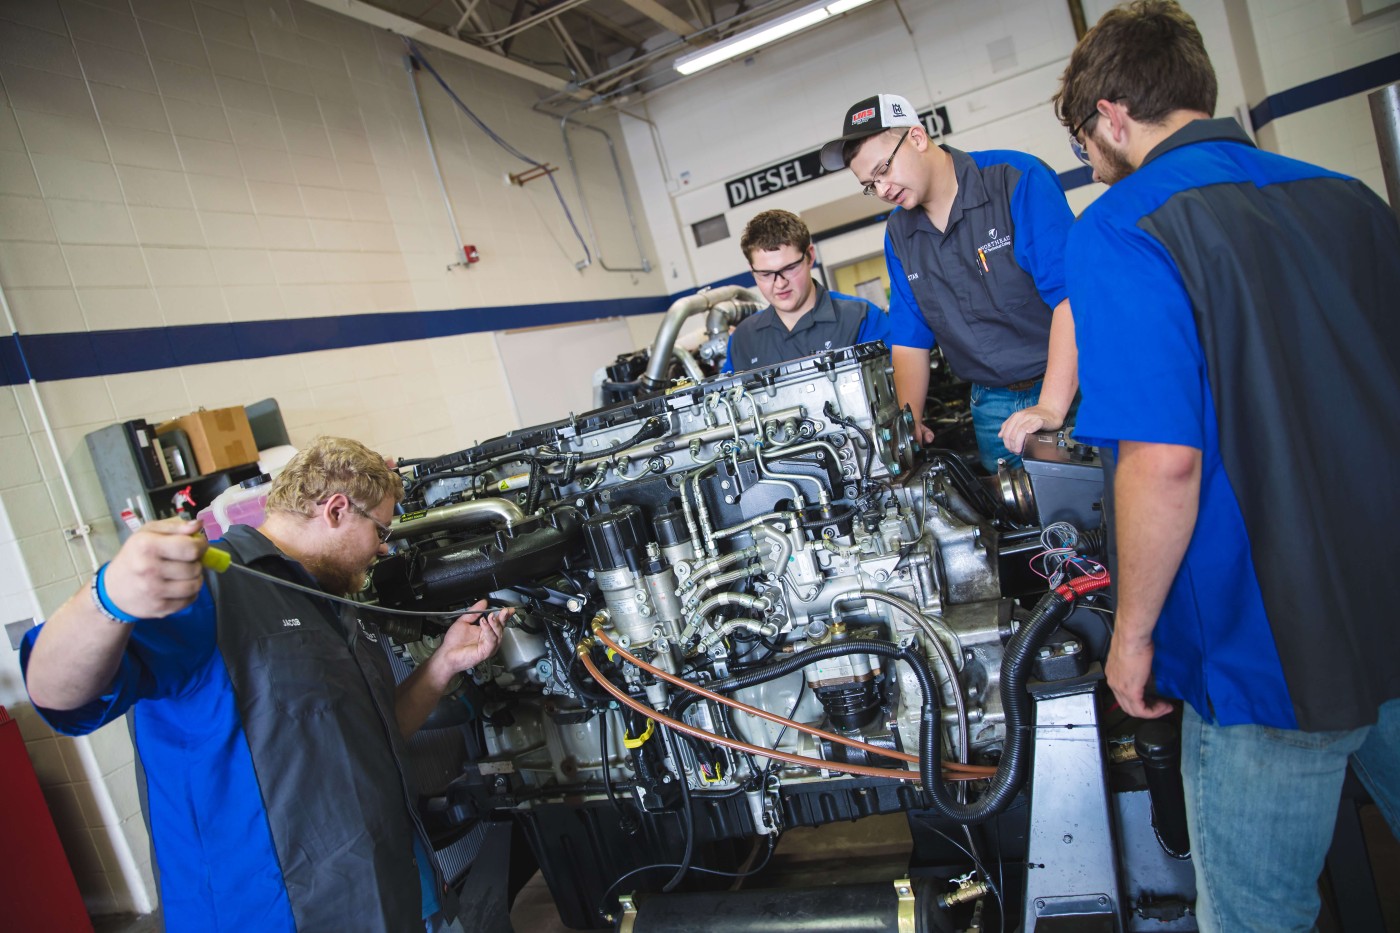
(747, 41)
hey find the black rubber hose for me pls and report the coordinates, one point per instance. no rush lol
(607, 769)
(861, 440)
(1016, 662)
(687, 818)
(786, 666)
(1016, 702)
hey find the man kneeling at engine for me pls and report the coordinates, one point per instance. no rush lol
(266, 719)
(802, 317)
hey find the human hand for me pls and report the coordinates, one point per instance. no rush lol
(1027, 421)
(923, 434)
(1129, 671)
(157, 571)
(473, 638)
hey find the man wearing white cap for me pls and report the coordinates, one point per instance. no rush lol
(975, 249)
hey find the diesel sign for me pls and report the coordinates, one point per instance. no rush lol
(806, 167)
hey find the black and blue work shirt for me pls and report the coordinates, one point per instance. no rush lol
(835, 321)
(985, 288)
(277, 796)
(1250, 313)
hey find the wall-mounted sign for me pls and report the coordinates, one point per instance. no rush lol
(808, 166)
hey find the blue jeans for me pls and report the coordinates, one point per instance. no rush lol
(990, 407)
(437, 923)
(1261, 805)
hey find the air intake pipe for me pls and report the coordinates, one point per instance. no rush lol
(676, 315)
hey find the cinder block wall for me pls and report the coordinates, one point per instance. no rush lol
(169, 163)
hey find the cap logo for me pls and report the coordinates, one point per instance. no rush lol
(896, 110)
(858, 118)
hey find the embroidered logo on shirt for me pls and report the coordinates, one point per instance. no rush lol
(366, 632)
(913, 276)
(828, 345)
(994, 242)
(291, 623)
(752, 361)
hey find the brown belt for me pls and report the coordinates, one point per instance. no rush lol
(1025, 384)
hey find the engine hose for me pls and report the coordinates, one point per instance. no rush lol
(1016, 662)
(687, 816)
(1053, 608)
(701, 692)
(803, 761)
(928, 754)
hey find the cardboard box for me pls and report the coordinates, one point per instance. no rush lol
(220, 438)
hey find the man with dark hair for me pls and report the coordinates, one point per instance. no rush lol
(802, 317)
(267, 722)
(975, 249)
(1235, 313)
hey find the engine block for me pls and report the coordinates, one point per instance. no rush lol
(706, 538)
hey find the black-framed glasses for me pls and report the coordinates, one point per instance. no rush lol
(786, 273)
(884, 167)
(1076, 146)
(384, 530)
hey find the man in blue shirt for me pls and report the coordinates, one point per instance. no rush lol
(975, 249)
(267, 722)
(802, 317)
(1235, 313)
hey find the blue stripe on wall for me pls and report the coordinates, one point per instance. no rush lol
(106, 353)
(1076, 177)
(1325, 90)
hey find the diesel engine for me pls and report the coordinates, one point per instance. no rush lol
(753, 603)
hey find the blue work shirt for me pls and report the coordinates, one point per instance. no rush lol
(1242, 304)
(985, 288)
(209, 821)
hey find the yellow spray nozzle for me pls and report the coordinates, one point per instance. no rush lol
(216, 560)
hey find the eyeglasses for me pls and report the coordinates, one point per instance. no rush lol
(1075, 144)
(1077, 147)
(384, 530)
(884, 167)
(786, 273)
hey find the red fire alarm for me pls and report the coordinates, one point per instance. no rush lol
(471, 254)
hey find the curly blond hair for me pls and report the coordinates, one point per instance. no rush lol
(330, 465)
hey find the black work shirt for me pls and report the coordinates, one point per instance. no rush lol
(836, 321)
(984, 288)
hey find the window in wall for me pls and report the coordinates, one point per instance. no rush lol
(710, 230)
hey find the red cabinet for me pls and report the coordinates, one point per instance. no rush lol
(36, 885)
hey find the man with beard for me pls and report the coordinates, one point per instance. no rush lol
(1235, 312)
(266, 720)
(975, 250)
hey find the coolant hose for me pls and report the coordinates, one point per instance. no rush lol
(929, 761)
(1053, 608)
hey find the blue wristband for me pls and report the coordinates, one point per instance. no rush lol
(104, 602)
